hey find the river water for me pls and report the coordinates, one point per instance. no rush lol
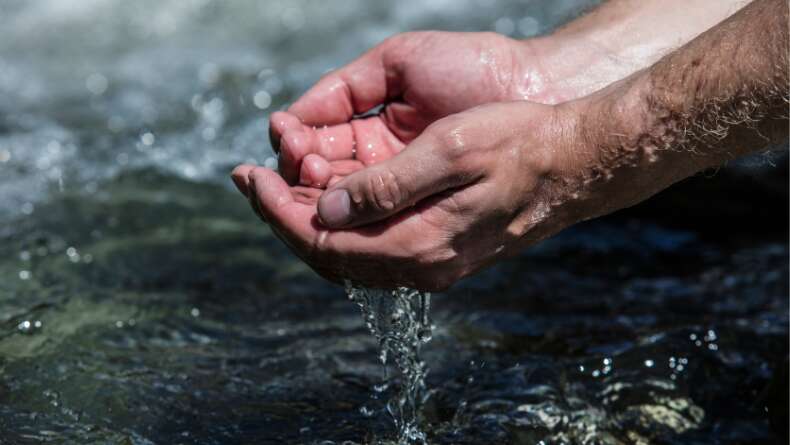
(141, 302)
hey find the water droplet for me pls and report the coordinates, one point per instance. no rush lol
(96, 83)
(24, 275)
(262, 99)
(27, 208)
(528, 26)
(398, 319)
(73, 255)
(148, 139)
(270, 162)
(504, 25)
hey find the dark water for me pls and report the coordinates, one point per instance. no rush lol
(141, 302)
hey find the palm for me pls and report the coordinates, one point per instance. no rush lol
(354, 253)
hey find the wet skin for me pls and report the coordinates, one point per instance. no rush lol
(449, 178)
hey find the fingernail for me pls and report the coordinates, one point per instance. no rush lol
(335, 208)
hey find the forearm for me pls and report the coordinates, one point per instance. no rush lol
(720, 96)
(621, 37)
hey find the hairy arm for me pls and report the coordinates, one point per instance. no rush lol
(479, 185)
(722, 95)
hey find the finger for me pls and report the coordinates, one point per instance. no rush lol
(353, 89)
(290, 218)
(345, 167)
(339, 170)
(405, 121)
(336, 254)
(252, 200)
(295, 146)
(335, 142)
(369, 140)
(239, 177)
(306, 195)
(315, 171)
(386, 188)
(281, 122)
(318, 172)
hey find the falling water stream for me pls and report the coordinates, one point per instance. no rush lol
(399, 320)
(142, 302)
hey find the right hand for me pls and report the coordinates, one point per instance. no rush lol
(418, 78)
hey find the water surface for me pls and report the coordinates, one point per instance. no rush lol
(141, 302)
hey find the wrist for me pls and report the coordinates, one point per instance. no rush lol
(615, 40)
(559, 68)
(625, 148)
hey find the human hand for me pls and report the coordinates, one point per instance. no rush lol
(473, 187)
(482, 184)
(423, 76)
(418, 78)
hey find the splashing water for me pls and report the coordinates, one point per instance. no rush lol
(400, 322)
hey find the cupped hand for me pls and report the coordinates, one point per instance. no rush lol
(416, 79)
(471, 188)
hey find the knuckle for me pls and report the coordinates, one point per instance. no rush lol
(452, 138)
(385, 190)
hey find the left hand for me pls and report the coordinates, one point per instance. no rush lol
(472, 188)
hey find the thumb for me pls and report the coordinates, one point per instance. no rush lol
(384, 189)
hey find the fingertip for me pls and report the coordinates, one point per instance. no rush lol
(334, 208)
(315, 171)
(326, 103)
(345, 167)
(295, 146)
(280, 122)
(239, 175)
